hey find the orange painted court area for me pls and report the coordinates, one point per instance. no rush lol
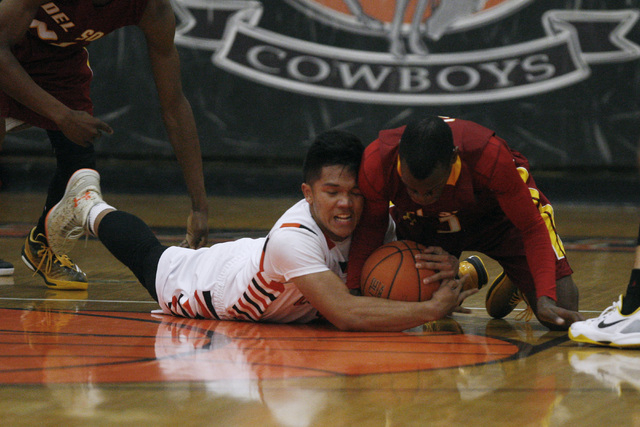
(114, 347)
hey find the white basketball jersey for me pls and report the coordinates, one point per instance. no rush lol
(249, 279)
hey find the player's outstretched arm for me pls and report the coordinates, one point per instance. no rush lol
(158, 25)
(329, 295)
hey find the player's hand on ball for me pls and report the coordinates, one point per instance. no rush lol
(464, 294)
(197, 230)
(450, 295)
(437, 259)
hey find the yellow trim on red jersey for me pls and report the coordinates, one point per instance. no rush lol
(456, 168)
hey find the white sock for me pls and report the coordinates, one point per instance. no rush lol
(94, 212)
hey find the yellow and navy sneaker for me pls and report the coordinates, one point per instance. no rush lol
(503, 296)
(58, 271)
(474, 267)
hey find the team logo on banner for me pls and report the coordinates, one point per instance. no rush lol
(407, 72)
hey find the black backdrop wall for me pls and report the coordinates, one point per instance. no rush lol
(559, 80)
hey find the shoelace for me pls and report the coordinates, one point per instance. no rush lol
(75, 233)
(47, 258)
(525, 315)
(609, 310)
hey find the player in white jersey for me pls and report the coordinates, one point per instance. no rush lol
(250, 279)
(296, 274)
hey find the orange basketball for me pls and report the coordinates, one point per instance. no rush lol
(390, 272)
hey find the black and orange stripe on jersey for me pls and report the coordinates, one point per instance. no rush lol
(260, 293)
(205, 303)
(296, 225)
(180, 306)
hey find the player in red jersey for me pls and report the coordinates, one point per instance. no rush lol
(456, 186)
(45, 80)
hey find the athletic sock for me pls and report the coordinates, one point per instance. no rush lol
(93, 214)
(631, 300)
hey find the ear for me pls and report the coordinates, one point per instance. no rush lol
(306, 191)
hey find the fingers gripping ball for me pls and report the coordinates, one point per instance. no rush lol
(390, 272)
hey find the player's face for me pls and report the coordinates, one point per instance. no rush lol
(335, 201)
(426, 191)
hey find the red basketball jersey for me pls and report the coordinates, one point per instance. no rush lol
(485, 193)
(53, 51)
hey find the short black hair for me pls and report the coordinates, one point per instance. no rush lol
(330, 148)
(425, 144)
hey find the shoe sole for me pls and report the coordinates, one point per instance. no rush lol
(67, 285)
(481, 270)
(583, 339)
(6, 271)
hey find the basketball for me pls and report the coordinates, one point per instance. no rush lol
(390, 272)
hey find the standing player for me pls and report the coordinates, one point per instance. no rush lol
(45, 80)
(455, 184)
(618, 325)
(295, 274)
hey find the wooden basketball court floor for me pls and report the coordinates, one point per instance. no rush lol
(102, 358)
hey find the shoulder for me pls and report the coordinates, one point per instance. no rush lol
(379, 159)
(294, 247)
(481, 150)
(297, 224)
(494, 161)
(469, 135)
(474, 141)
(385, 146)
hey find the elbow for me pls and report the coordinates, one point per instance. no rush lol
(347, 323)
(344, 325)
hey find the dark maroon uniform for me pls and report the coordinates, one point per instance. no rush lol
(490, 204)
(53, 51)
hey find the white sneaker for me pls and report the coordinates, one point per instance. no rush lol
(611, 328)
(67, 220)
